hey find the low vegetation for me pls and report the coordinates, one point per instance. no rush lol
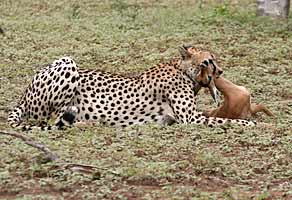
(150, 161)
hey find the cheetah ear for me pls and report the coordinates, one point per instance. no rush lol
(185, 54)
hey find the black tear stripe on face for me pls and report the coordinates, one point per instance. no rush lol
(214, 66)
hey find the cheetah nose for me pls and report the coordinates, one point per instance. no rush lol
(220, 72)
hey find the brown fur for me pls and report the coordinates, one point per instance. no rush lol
(237, 102)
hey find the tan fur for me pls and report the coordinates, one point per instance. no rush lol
(237, 102)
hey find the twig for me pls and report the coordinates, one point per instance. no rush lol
(54, 157)
(49, 154)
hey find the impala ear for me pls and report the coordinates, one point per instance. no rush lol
(183, 50)
(187, 46)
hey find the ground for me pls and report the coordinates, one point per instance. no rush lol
(149, 162)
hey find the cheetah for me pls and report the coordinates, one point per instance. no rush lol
(165, 94)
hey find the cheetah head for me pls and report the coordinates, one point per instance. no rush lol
(201, 67)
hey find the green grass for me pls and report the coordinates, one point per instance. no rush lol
(150, 162)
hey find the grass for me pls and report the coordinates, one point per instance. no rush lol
(150, 162)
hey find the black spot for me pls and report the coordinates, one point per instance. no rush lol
(56, 97)
(57, 80)
(56, 88)
(60, 124)
(87, 116)
(65, 88)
